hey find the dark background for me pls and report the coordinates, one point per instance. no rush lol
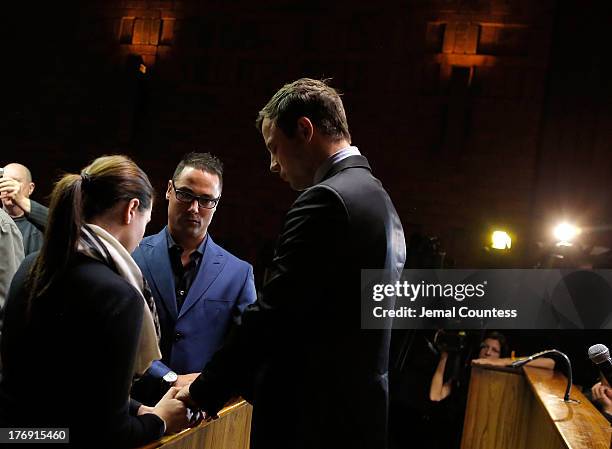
(474, 114)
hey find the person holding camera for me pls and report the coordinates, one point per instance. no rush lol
(16, 186)
(491, 347)
(450, 381)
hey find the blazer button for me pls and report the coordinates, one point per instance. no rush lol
(178, 336)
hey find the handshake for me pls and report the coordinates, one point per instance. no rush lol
(176, 408)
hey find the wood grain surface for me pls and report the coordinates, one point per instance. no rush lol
(512, 409)
(231, 430)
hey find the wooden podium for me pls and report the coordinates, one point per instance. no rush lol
(524, 409)
(231, 430)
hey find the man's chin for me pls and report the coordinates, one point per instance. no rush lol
(193, 230)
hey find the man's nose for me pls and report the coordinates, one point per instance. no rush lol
(274, 167)
(194, 207)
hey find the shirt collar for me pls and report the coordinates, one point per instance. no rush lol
(333, 160)
(199, 251)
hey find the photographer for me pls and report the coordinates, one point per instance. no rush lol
(491, 347)
(454, 366)
(493, 351)
(16, 186)
(450, 381)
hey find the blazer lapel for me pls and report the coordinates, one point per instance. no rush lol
(161, 272)
(208, 271)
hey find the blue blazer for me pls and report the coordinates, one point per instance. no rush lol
(222, 289)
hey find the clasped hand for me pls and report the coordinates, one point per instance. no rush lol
(177, 409)
(10, 192)
(185, 396)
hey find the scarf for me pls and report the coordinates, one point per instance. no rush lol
(99, 244)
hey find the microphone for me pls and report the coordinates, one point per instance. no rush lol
(563, 357)
(600, 356)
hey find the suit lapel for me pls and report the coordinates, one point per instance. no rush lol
(208, 271)
(161, 272)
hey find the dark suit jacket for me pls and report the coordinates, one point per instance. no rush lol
(32, 226)
(52, 370)
(319, 380)
(221, 290)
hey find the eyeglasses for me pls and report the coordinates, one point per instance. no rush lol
(188, 198)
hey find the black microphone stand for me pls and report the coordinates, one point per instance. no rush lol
(537, 355)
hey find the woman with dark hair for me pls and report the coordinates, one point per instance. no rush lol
(493, 346)
(79, 322)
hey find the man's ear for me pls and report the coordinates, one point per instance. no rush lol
(305, 129)
(169, 190)
(31, 188)
(131, 210)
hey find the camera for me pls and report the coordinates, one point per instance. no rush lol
(451, 341)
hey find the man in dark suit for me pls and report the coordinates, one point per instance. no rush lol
(315, 378)
(199, 288)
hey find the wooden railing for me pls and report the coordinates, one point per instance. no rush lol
(230, 431)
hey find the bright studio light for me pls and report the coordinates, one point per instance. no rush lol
(501, 240)
(565, 232)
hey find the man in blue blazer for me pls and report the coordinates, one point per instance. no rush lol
(199, 288)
